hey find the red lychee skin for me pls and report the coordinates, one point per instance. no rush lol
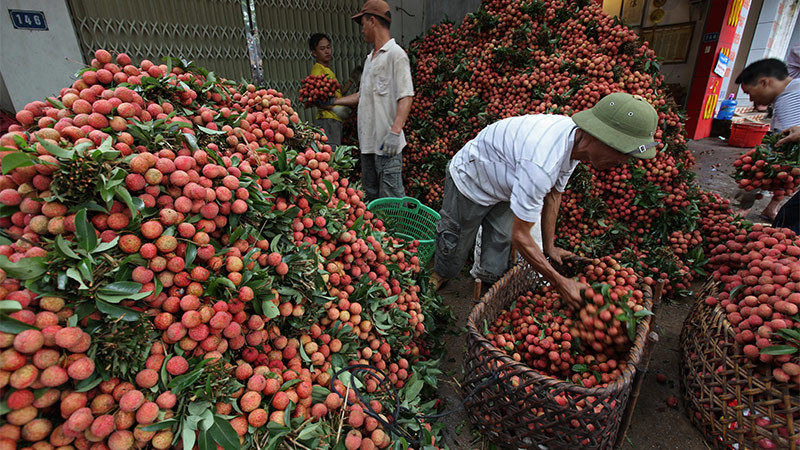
(80, 420)
(24, 377)
(29, 341)
(146, 378)
(152, 229)
(131, 401)
(118, 221)
(46, 357)
(10, 197)
(20, 399)
(54, 376)
(36, 430)
(177, 365)
(147, 413)
(68, 337)
(167, 400)
(102, 426)
(121, 440)
(81, 369)
(47, 399)
(83, 344)
(142, 275)
(102, 404)
(130, 243)
(11, 360)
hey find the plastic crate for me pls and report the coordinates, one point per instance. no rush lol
(747, 135)
(406, 218)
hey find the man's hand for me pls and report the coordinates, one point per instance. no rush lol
(558, 254)
(791, 135)
(391, 144)
(570, 291)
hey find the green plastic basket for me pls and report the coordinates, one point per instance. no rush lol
(406, 218)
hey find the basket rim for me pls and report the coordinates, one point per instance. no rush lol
(635, 356)
(394, 200)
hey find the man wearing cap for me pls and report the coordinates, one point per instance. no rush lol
(512, 174)
(384, 101)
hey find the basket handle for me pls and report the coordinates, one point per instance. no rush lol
(411, 202)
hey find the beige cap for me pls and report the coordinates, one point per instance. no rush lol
(375, 7)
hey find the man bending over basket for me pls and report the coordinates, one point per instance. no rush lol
(512, 174)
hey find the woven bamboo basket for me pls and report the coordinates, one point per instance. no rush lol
(731, 401)
(506, 413)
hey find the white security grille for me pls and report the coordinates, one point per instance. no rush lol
(284, 29)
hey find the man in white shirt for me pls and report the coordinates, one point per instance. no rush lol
(384, 100)
(512, 174)
(767, 82)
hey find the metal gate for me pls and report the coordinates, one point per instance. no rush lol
(212, 33)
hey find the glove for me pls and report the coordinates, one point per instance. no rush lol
(391, 144)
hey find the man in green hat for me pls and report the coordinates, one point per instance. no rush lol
(512, 174)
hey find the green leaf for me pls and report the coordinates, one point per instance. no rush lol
(204, 441)
(187, 432)
(413, 389)
(89, 383)
(135, 204)
(74, 274)
(223, 434)
(117, 311)
(789, 333)
(62, 245)
(17, 159)
(104, 246)
(55, 150)
(190, 254)
(84, 231)
(642, 313)
(118, 298)
(122, 288)
(779, 350)
(160, 425)
(25, 268)
(55, 102)
(13, 326)
(10, 306)
(209, 130)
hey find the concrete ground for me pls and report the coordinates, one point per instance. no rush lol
(655, 425)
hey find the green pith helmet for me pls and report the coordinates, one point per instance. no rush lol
(624, 122)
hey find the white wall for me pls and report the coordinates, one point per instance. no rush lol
(773, 34)
(37, 64)
(408, 20)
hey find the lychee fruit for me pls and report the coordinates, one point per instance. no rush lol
(129, 243)
(54, 376)
(102, 426)
(146, 378)
(29, 341)
(147, 413)
(131, 401)
(20, 399)
(167, 400)
(36, 430)
(121, 440)
(23, 377)
(177, 365)
(68, 337)
(81, 369)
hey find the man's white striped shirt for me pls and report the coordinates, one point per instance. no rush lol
(786, 108)
(517, 160)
